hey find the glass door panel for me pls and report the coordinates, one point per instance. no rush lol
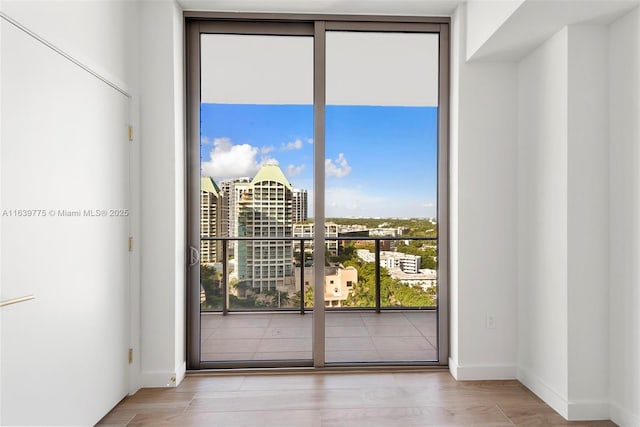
(256, 163)
(366, 104)
(381, 188)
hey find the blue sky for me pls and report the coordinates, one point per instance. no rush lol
(380, 161)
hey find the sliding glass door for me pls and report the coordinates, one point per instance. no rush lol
(381, 188)
(255, 166)
(317, 192)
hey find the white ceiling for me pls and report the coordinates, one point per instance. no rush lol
(359, 7)
(532, 23)
(537, 20)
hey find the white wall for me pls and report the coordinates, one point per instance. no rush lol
(1, 92)
(624, 212)
(98, 33)
(542, 218)
(139, 48)
(162, 194)
(64, 147)
(578, 192)
(521, 162)
(180, 285)
(563, 222)
(587, 222)
(483, 214)
(515, 189)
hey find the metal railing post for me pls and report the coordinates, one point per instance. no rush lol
(302, 276)
(225, 280)
(377, 275)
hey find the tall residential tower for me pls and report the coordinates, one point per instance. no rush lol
(231, 191)
(265, 210)
(300, 205)
(210, 204)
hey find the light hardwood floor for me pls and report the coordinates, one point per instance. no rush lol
(337, 399)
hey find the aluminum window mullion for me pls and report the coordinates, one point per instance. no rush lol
(395, 27)
(258, 28)
(443, 198)
(319, 55)
(311, 17)
(193, 192)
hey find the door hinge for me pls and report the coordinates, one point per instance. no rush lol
(130, 244)
(130, 355)
(130, 133)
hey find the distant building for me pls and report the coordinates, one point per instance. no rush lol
(425, 278)
(385, 232)
(299, 206)
(210, 204)
(338, 283)
(231, 192)
(405, 262)
(264, 210)
(307, 230)
(386, 245)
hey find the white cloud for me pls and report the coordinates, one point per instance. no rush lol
(340, 201)
(228, 160)
(370, 202)
(338, 167)
(206, 141)
(293, 145)
(267, 149)
(310, 141)
(293, 170)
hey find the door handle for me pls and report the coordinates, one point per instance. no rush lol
(194, 256)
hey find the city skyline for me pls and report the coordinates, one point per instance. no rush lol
(380, 161)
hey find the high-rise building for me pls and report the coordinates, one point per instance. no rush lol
(210, 204)
(300, 205)
(225, 218)
(231, 191)
(264, 210)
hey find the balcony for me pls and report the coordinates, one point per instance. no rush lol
(372, 314)
(352, 336)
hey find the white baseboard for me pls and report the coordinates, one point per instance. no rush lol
(588, 410)
(162, 378)
(623, 417)
(544, 392)
(573, 411)
(482, 372)
(181, 372)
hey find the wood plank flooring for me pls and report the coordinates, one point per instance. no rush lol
(337, 399)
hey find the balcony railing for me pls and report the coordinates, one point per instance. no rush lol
(302, 257)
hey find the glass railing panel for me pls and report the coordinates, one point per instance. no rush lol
(261, 320)
(265, 274)
(272, 274)
(383, 273)
(389, 312)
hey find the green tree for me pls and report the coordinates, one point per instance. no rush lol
(392, 292)
(210, 280)
(308, 297)
(347, 253)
